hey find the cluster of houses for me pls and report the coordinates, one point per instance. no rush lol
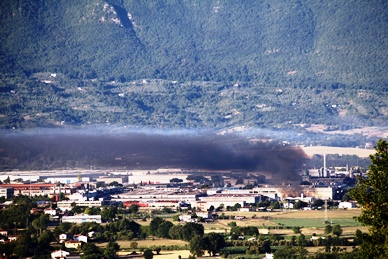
(4, 234)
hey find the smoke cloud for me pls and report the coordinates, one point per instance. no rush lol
(151, 149)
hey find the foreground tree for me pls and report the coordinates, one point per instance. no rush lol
(91, 251)
(147, 254)
(196, 246)
(213, 243)
(371, 193)
(111, 249)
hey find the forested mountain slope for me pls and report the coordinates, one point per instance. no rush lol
(298, 42)
(194, 64)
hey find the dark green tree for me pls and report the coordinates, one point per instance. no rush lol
(154, 225)
(371, 193)
(296, 230)
(290, 252)
(300, 204)
(302, 240)
(196, 246)
(328, 229)
(164, 228)
(337, 230)
(190, 229)
(147, 254)
(133, 208)
(111, 250)
(157, 250)
(91, 251)
(44, 241)
(40, 223)
(213, 243)
(7, 180)
(23, 245)
(175, 232)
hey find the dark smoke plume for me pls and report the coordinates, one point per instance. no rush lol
(139, 150)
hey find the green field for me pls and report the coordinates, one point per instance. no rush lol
(317, 223)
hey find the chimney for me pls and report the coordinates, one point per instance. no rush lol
(324, 166)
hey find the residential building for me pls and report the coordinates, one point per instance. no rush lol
(73, 244)
(3, 232)
(51, 212)
(346, 205)
(81, 238)
(59, 254)
(63, 238)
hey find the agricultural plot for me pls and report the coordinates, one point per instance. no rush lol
(314, 223)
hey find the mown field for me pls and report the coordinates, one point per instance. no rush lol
(315, 223)
(310, 221)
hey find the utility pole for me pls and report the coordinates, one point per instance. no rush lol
(326, 217)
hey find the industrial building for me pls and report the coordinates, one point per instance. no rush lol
(78, 219)
(67, 205)
(6, 192)
(228, 200)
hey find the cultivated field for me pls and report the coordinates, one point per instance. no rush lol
(320, 150)
(311, 221)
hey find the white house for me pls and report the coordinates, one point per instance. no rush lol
(346, 205)
(3, 232)
(73, 244)
(205, 215)
(187, 218)
(59, 254)
(245, 209)
(80, 238)
(62, 238)
(51, 212)
(13, 238)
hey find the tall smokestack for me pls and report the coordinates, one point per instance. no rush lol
(324, 166)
